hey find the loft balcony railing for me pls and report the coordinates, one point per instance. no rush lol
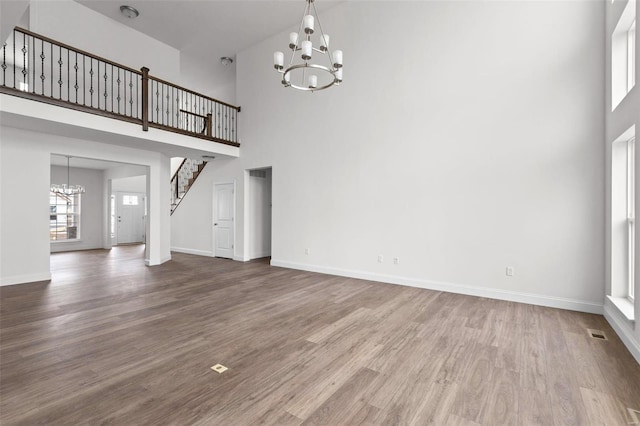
(42, 69)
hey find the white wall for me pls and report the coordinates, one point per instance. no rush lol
(130, 184)
(74, 24)
(25, 181)
(208, 76)
(92, 204)
(618, 123)
(24, 206)
(11, 12)
(175, 164)
(476, 148)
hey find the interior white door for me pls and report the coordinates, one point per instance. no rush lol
(130, 218)
(223, 218)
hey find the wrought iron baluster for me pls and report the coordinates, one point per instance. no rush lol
(111, 78)
(169, 89)
(97, 84)
(234, 113)
(14, 59)
(178, 107)
(105, 94)
(124, 91)
(75, 86)
(51, 69)
(60, 73)
(219, 120)
(118, 81)
(42, 56)
(137, 103)
(130, 93)
(24, 61)
(84, 80)
(226, 122)
(4, 64)
(33, 64)
(68, 78)
(158, 102)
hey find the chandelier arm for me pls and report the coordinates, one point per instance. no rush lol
(68, 180)
(322, 35)
(293, 53)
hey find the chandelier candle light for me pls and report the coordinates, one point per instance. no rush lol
(307, 75)
(67, 189)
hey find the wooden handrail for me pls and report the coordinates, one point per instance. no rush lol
(178, 169)
(66, 46)
(175, 86)
(144, 106)
(193, 113)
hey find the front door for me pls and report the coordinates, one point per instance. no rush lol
(223, 212)
(130, 218)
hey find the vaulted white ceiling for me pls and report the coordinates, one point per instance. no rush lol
(208, 27)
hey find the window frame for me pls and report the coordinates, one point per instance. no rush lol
(76, 214)
(631, 219)
(631, 55)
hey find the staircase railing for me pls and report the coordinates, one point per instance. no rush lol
(183, 179)
(42, 69)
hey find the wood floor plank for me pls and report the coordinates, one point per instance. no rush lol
(473, 392)
(562, 382)
(345, 402)
(111, 341)
(501, 406)
(534, 408)
(603, 409)
(436, 405)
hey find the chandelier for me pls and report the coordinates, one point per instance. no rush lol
(306, 75)
(66, 188)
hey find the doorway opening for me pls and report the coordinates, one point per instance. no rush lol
(259, 209)
(128, 210)
(88, 220)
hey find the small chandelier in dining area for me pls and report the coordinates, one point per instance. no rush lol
(67, 188)
(306, 74)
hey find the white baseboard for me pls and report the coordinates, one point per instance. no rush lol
(23, 279)
(260, 255)
(491, 293)
(147, 262)
(192, 251)
(241, 258)
(623, 328)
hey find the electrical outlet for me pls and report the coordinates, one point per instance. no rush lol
(510, 271)
(307, 251)
(380, 258)
(396, 260)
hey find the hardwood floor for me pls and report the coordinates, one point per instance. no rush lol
(115, 342)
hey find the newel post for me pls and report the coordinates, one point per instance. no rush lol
(209, 124)
(145, 98)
